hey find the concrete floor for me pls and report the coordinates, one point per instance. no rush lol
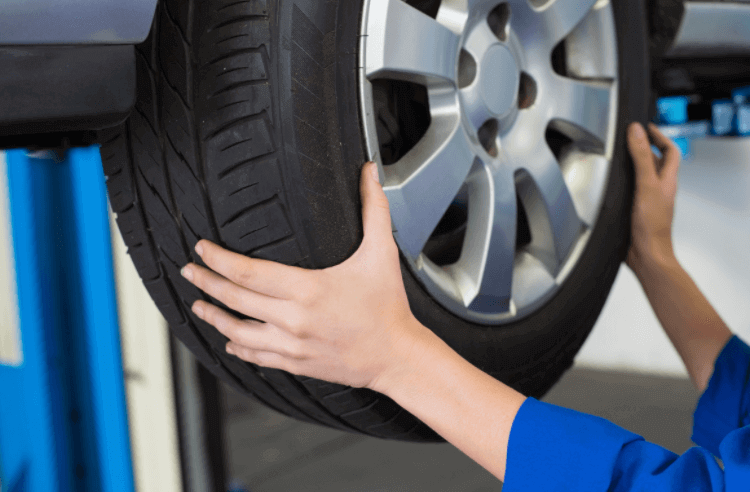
(268, 452)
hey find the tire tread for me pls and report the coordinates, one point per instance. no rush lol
(200, 119)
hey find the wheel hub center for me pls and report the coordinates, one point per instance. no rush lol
(499, 80)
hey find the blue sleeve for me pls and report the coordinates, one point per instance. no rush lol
(725, 405)
(555, 448)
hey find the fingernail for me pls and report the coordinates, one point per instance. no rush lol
(187, 273)
(199, 249)
(198, 310)
(375, 173)
(229, 350)
(638, 131)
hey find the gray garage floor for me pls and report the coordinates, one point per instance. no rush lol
(269, 452)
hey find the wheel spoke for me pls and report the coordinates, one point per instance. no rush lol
(455, 13)
(553, 219)
(549, 24)
(484, 272)
(406, 44)
(531, 279)
(590, 46)
(422, 185)
(586, 176)
(582, 109)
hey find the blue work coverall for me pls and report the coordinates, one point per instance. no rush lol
(552, 448)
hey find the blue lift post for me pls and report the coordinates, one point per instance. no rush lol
(63, 418)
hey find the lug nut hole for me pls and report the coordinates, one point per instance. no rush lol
(499, 21)
(467, 69)
(488, 136)
(526, 91)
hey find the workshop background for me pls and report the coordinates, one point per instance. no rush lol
(97, 395)
(627, 371)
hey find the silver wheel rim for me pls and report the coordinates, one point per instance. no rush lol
(561, 194)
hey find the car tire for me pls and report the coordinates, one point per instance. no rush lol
(247, 131)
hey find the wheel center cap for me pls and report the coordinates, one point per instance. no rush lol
(499, 79)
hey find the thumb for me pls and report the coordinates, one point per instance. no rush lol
(376, 215)
(640, 150)
(671, 155)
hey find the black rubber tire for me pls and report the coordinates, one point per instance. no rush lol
(247, 132)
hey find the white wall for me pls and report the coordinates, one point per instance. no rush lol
(11, 353)
(712, 241)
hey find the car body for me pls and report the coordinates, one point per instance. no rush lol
(68, 67)
(75, 21)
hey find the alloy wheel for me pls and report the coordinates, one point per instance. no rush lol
(510, 168)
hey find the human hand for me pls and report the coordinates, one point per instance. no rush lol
(342, 324)
(653, 206)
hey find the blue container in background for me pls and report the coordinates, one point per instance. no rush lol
(674, 111)
(722, 117)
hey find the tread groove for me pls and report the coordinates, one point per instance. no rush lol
(116, 173)
(145, 118)
(176, 25)
(235, 144)
(247, 234)
(368, 407)
(234, 103)
(231, 38)
(233, 4)
(181, 156)
(240, 190)
(338, 393)
(233, 53)
(199, 211)
(227, 72)
(226, 172)
(177, 184)
(278, 242)
(177, 93)
(387, 422)
(155, 193)
(237, 85)
(251, 208)
(189, 227)
(110, 140)
(237, 20)
(412, 428)
(146, 63)
(238, 121)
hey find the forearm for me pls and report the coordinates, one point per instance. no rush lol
(692, 324)
(470, 409)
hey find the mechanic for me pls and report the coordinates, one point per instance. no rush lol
(351, 324)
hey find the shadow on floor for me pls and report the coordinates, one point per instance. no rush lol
(268, 452)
